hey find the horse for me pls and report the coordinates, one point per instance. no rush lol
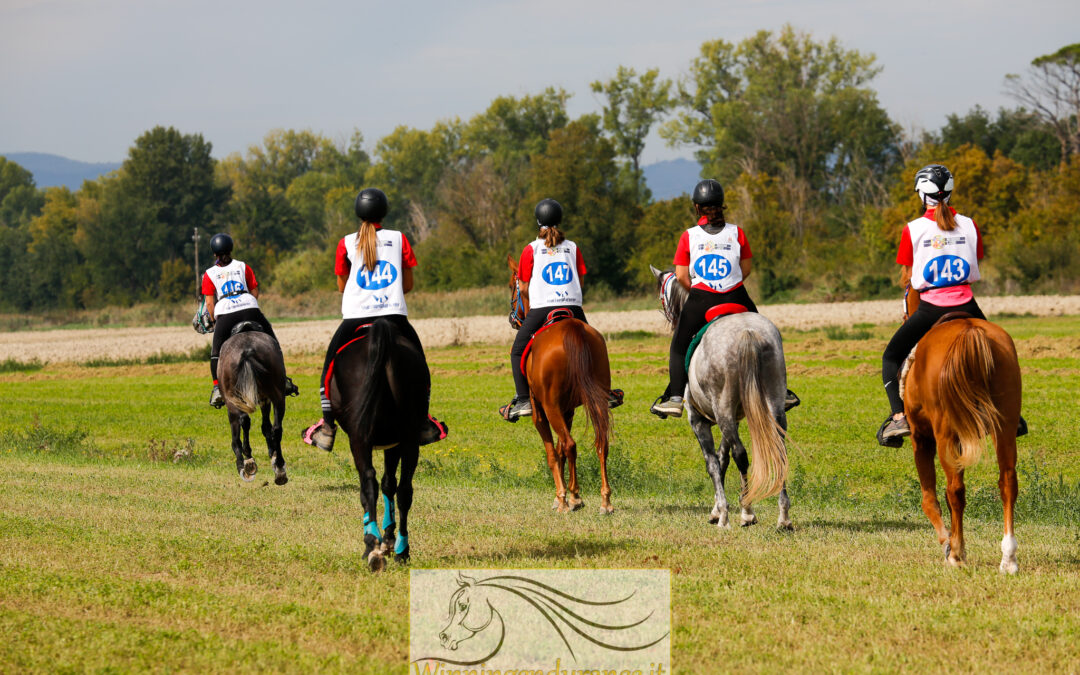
(378, 387)
(567, 367)
(737, 371)
(963, 386)
(252, 375)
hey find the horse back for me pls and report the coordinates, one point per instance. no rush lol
(552, 354)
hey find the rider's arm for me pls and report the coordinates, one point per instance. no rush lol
(341, 279)
(255, 292)
(210, 307)
(745, 264)
(523, 286)
(406, 279)
(682, 273)
(905, 275)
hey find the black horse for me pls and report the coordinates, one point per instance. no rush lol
(252, 375)
(378, 388)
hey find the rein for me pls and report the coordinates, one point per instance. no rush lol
(517, 307)
(665, 307)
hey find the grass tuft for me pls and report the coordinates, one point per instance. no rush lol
(13, 366)
(196, 354)
(841, 333)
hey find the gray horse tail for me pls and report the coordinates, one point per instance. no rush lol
(769, 468)
(244, 395)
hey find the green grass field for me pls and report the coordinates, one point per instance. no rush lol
(127, 542)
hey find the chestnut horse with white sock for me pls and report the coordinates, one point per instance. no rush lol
(963, 386)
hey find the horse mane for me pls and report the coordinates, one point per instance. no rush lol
(678, 295)
(964, 394)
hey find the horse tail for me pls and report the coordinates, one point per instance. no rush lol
(244, 394)
(964, 388)
(769, 468)
(580, 362)
(382, 336)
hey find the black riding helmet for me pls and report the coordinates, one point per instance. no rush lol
(709, 193)
(372, 205)
(548, 213)
(221, 244)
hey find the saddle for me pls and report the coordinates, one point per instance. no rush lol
(910, 360)
(553, 317)
(245, 327)
(360, 333)
(711, 315)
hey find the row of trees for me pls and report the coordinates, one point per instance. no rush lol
(815, 170)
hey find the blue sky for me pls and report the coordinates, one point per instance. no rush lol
(84, 78)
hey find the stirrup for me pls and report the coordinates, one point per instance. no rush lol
(434, 432)
(791, 400)
(321, 435)
(290, 387)
(1021, 428)
(615, 398)
(216, 398)
(510, 415)
(892, 441)
(664, 414)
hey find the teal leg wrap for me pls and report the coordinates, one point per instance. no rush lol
(370, 527)
(388, 512)
(401, 544)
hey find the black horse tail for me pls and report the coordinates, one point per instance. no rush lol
(584, 385)
(382, 336)
(244, 394)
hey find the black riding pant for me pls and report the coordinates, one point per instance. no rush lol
(223, 326)
(691, 320)
(532, 322)
(905, 339)
(347, 331)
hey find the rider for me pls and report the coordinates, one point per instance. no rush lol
(939, 255)
(231, 298)
(384, 261)
(712, 261)
(558, 283)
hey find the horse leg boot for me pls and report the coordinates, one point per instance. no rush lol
(925, 450)
(544, 429)
(742, 462)
(389, 490)
(410, 455)
(715, 467)
(369, 489)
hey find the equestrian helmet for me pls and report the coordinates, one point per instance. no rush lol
(221, 243)
(372, 205)
(709, 193)
(548, 213)
(934, 181)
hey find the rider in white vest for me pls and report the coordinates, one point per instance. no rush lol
(939, 254)
(370, 292)
(232, 294)
(549, 276)
(712, 260)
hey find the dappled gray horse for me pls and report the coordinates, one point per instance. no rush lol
(252, 373)
(736, 371)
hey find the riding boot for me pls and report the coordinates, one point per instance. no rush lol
(216, 399)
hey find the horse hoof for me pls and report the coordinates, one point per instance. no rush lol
(785, 527)
(280, 478)
(376, 560)
(248, 471)
(747, 521)
(577, 506)
(403, 557)
(1008, 567)
(607, 510)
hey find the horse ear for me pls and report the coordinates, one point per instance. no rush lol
(655, 272)
(511, 263)
(463, 580)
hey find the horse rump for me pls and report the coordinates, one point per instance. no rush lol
(244, 371)
(965, 383)
(769, 468)
(584, 386)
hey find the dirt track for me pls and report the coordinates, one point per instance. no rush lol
(312, 336)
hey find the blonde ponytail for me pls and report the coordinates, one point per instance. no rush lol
(367, 245)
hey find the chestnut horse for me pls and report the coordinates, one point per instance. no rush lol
(963, 386)
(567, 367)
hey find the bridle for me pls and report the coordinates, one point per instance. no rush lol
(517, 305)
(665, 306)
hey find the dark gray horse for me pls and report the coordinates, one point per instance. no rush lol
(252, 375)
(737, 371)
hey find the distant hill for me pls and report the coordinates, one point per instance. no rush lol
(672, 177)
(54, 170)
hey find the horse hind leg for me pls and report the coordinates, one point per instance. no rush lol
(272, 433)
(246, 464)
(410, 456)
(716, 467)
(1005, 444)
(540, 421)
(389, 491)
(369, 488)
(783, 518)
(568, 454)
(747, 517)
(925, 449)
(955, 493)
(237, 445)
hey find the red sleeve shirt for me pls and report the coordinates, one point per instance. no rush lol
(249, 276)
(207, 285)
(580, 264)
(525, 264)
(408, 258)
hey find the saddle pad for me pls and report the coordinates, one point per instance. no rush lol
(553, 317)
(361, 333)
(711, 315)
